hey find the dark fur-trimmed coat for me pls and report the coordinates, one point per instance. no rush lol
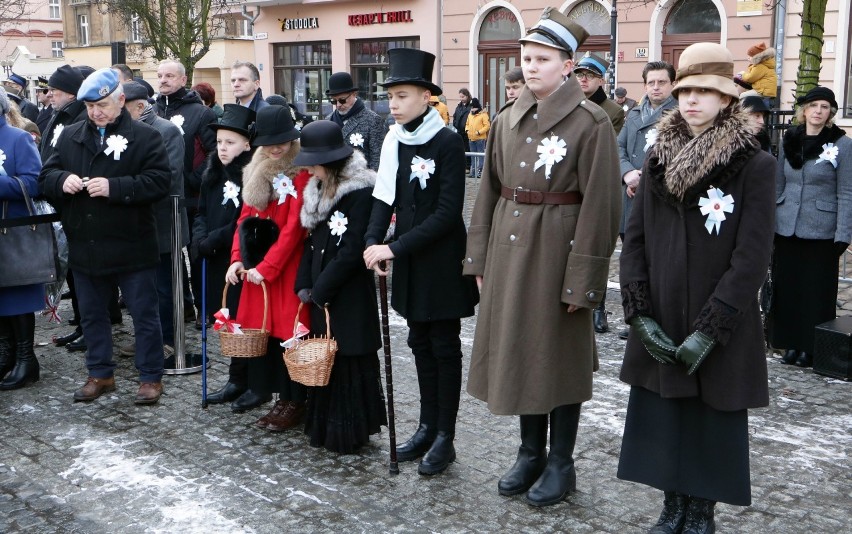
(687, 278)
(333, 265)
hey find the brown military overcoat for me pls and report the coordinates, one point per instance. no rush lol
(529, 354)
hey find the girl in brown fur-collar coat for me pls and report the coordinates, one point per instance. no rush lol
(695, 253)
(268, 247)
(342, 415)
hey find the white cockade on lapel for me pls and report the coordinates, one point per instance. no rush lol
(421, 169)
(650, 139)
(356, 140)
(2, 161)
(178, 120)
(829, 154)
(116, 144)
(337, 224)
(552, 150)
(715, 205)
(231, 191)
(56, 133)
(283, 186)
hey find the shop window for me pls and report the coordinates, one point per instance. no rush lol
(693, 16)
(301, 74)
(369, 66)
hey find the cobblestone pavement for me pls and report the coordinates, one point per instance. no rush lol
(111, 466)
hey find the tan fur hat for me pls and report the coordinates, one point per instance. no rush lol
(707, 66)
(756, 49)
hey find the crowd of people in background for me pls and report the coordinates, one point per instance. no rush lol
(292, 218)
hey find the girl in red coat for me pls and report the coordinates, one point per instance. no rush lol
(268, 247)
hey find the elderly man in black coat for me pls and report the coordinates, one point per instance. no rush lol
(104, 178)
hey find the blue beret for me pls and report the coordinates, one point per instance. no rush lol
(18, 79)
(98, 85)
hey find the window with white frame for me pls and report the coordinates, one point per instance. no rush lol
(135, 28)
(56, 49)
(245, 28)
(83, 30)
(54, 8)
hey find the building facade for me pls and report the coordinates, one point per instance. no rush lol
(32, 46)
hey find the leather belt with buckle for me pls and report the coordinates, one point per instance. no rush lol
(528, 196)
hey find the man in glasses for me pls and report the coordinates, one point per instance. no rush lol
(362, 128)
(590, 72)
(640, 132)
(46, 110)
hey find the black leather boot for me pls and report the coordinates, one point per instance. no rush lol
(26, 369)
(532, 456)
(61, 341)
(7, 346)
(805, 359)
(699, 517)
(229, 392)
(439, 456)
(558, 478)
(418, 444)
(673, 515)
(248, 401)
(599, 318)
(790, 356)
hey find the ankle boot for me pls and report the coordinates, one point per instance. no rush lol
(26, 370)
(805, 360)
(7, 346)
(558, 478)
(699, 517)
(418, 444)
(599, 318)
(532, 456)
(439, 455)
(790, 356)
(673, 515)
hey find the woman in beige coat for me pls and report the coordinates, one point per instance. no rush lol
(543, 228)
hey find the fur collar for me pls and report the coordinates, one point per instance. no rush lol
(759, 58)
(355, 176)
(682, 167)
(258, 175)
(217, 173)
(795, 151)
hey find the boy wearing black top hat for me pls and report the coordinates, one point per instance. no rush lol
(421, 176)
(216, 222)
(362, 128)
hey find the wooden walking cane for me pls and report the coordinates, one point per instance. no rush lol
(383, 292)
(204, 332)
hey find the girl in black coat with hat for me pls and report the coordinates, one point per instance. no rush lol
(337, 202)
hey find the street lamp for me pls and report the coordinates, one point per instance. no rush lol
(7, 66)
(613, 38)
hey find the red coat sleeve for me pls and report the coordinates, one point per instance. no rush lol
(291, 235)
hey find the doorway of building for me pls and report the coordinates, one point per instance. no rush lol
(688, 22)
(499, 52)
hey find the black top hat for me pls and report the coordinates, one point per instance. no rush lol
(340, 82)
(322, 142)
(236, 118)
(274, 126)
(410, 66)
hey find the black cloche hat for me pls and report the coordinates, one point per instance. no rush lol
(321, 143)
(339, 83)
(409, 66)
(274, 126)
(236, 118)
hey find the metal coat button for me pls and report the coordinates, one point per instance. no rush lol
(529, 139)
(535, 116)
(569, 291)
(512, 237)
(523, 164)
(470, 260)
(516, 213)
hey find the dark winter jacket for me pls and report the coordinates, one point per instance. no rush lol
(216, 221)
(460, 118)
(44, 116)
(72, 112)
(333, 264)
(27, 108)
(116, 234)
(186, 110)
(430, 234)
(691, 275)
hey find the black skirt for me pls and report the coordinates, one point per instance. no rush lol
(268, 374)
(342, 415)
(804, 291)
(685, 446)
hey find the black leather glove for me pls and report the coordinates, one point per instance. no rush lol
(205, 248)
(694, 349)
(840, 247)
(656, 342)
(304, 295)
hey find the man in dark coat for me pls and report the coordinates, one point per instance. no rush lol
(421, 175)
(104, 178)
(16, 86)
(62, 85)
(363, 129)
(245, 82)
(136, 103)
(186, 110)
(46, 111)
(460, 119)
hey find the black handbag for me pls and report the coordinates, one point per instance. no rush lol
(28, 253)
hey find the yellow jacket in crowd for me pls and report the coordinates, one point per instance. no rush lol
(478, 126)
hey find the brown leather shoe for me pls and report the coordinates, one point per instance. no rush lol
(94, 388)
(291, 416)
(276, 410)
(149, 393)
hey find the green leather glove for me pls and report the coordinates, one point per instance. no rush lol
(694, 349)
(656, 342)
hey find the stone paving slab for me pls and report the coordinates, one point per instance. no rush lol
(111, 466)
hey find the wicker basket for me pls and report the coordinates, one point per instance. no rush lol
(252, 342)
(309, 361)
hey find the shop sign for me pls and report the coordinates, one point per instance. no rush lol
(308, 23)
(365, 19)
